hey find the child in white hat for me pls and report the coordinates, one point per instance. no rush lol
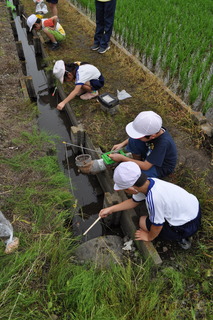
(88, 79)
(151, 145)
(51, 27)
(173, 213)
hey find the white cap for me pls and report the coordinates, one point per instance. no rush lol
(59, 70)
(145, 124)
(31, 20)
(125, 175)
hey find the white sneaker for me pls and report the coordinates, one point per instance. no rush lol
(89, 95)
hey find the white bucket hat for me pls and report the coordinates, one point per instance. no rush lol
(31, 20)
(145, 124)
(125, 175)
(59, 70)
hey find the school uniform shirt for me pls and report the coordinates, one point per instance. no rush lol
(49, 23)
(162, 153)
(166, 201)
(85, 73)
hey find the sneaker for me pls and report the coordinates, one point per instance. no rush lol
(95, 47)
(89, 95)
(102, 50)
(49, 42)
(55, 46)
(185, 243)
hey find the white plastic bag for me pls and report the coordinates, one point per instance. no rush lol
(41, 8)
(128, 245)
(6, 231)
(123, 95)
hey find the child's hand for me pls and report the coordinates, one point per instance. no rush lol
(105, 212)
(117, 157)
(61, 105)
(139, 235)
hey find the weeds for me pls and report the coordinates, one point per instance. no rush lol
(42, 281)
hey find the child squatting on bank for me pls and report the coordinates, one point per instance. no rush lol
(173, 213)
(88, 79)
(151, 145)
(51, 27)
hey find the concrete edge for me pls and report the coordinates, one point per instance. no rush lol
(24, 89)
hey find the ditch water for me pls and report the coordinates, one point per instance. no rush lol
(86, 188)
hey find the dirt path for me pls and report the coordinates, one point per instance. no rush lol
(120, 73)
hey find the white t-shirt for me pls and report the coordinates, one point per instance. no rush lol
(85, 73)
(167, 201)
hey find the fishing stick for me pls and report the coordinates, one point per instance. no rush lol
(85, 232)
(75, 145)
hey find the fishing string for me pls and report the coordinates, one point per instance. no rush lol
(68, 168)
(75, 145)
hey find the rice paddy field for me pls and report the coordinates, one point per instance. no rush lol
(173, 38)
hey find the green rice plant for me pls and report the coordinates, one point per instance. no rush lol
(194, 93)
(184, 26)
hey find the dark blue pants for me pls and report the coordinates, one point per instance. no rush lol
(177, 233)
(105, 12)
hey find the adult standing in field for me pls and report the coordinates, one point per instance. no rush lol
(173, 213)
(53, 6)
(88, 80)
(151, 145)
(105, 12)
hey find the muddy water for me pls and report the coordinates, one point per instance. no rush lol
(86, 189)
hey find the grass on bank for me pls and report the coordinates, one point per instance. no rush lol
(42, 281)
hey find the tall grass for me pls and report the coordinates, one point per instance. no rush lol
(178, 34)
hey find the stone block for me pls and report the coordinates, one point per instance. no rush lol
(207, 129)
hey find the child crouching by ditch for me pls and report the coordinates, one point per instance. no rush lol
(88, 80)
(51, 27)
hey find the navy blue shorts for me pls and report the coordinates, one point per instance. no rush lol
(98, 83)
(176, 233)
(52, 1)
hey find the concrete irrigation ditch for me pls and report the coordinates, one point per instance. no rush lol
(79, 136)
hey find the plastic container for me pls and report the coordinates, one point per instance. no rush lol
(97, 166)
(84, 162)
(108, 160)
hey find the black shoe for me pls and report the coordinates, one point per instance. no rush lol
(185, 243)
(55, 46)
(103, 50)
(49, 42)
(95, 47)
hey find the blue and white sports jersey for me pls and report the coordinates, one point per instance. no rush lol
(166, 201)
(85, 73)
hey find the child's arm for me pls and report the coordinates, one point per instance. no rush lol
(71, 96)
(148, 235)
(55, 20)
(125, 205)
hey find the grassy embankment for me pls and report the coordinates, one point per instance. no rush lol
(41, 280)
